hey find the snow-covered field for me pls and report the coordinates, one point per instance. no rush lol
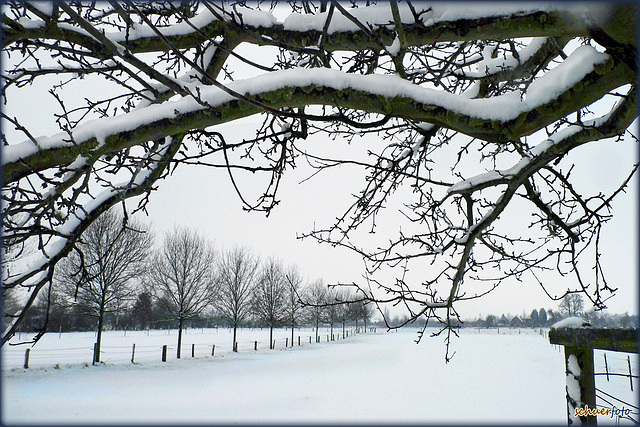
(380, 377)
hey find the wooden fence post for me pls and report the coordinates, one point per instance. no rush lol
(298, 339)
(579, 343)
(133, 354)
(255, 346)
(164, 353)
(581, 387)
(213, 350)
(26, 358)
(193, 350)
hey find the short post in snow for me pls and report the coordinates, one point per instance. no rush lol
(26, 358)
(286, 342)
(133, 354)
(193, 350)
(213, 350)
(255, 346)
(298, 339)
(164, 353)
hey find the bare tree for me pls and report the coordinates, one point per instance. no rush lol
(315, 301)
(571, 305)
(269, 295)
(237, 276)
(293, 306)
(360, 310)
(182, 276)
(346, 296)
(476, 109)
(332, 312)
(99, 275)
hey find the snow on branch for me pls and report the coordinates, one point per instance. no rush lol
(419, 103)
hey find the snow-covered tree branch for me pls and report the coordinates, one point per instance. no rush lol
(139, 89)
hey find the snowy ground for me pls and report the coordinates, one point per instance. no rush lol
(384, 377)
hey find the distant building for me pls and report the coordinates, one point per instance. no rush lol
(516, 322)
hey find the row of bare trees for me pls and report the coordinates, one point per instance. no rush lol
(117, 269)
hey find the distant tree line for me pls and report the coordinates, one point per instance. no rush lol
(570, 305)
(116, 278)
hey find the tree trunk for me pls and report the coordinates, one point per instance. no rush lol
(179, 351)
(292, 329)
(235, 328)
(96, 356)
(271, 336)
(99, 338)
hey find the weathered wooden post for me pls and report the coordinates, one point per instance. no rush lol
(164, 353)
(579, 342)
(133, 354)
(26, 358)
(581, 386)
